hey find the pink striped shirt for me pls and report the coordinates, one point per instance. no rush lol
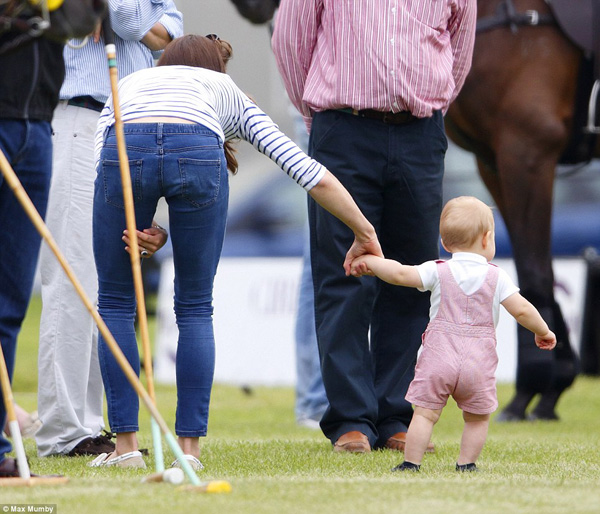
(388, 55)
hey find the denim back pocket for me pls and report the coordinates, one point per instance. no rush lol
(200, 180)
(113, 187)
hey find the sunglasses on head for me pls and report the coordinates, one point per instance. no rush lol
(212, 37)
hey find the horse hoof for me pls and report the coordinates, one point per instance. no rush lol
(542, 416)
(507, 416)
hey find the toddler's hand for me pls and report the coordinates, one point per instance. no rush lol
(547, 341)
(359, 268)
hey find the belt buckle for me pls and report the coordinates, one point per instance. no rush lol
(533, 17)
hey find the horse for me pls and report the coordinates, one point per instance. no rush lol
(516, 113)
(59, 20)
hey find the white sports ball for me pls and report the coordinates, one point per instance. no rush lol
(173, 476)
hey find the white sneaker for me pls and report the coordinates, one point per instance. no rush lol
(127, 460)
(193, 461)
(308, 423)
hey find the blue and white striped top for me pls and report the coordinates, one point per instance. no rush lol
(86, 67)
(213, 100)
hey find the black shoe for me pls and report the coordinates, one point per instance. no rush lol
(471, 467)
(407, 466)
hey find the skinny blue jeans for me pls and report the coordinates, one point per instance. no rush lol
(27, 145)
(186, 165)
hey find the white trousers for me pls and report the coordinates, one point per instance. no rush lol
(70, 390)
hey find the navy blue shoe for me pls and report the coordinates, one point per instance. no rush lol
(466, 467)
(407, 466)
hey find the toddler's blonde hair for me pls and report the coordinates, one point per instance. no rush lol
(464, 219)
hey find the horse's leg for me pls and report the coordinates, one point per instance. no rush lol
(538, 371)
(522, 190)
(515, 411)
(566, 369)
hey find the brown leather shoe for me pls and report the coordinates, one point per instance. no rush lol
(398, 441)
(10, 469)
(93, 446)
(96, 446)
(354, 442)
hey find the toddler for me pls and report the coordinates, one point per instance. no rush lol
(458, 356)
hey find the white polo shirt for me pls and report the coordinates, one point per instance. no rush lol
(469, 271)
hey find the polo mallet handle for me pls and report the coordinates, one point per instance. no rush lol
(136, 267)
(13, 181)
(11, 415)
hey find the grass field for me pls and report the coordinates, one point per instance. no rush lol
(276, 467)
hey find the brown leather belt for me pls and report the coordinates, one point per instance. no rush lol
(392, 118)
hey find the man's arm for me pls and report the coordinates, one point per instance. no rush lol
(169, 27)
(462, 38)
(133, 19)
(294, 40)
(157, 38)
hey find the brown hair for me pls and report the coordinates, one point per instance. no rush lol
(208, 52)
(463, 220)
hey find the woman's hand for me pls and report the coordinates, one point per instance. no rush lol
(150, 240)
(359, 248)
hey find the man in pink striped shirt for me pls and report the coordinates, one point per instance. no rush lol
(372, 80)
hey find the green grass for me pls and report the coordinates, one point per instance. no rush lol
(276, 467)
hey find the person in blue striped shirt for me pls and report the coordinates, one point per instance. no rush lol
(180, 119)
(70, 392)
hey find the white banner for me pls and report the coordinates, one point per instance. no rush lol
(255, 312)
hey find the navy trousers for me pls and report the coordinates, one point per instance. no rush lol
(27, 146)
(369, 332)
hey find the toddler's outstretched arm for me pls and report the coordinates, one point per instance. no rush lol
(388, 270)
(528, 316)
